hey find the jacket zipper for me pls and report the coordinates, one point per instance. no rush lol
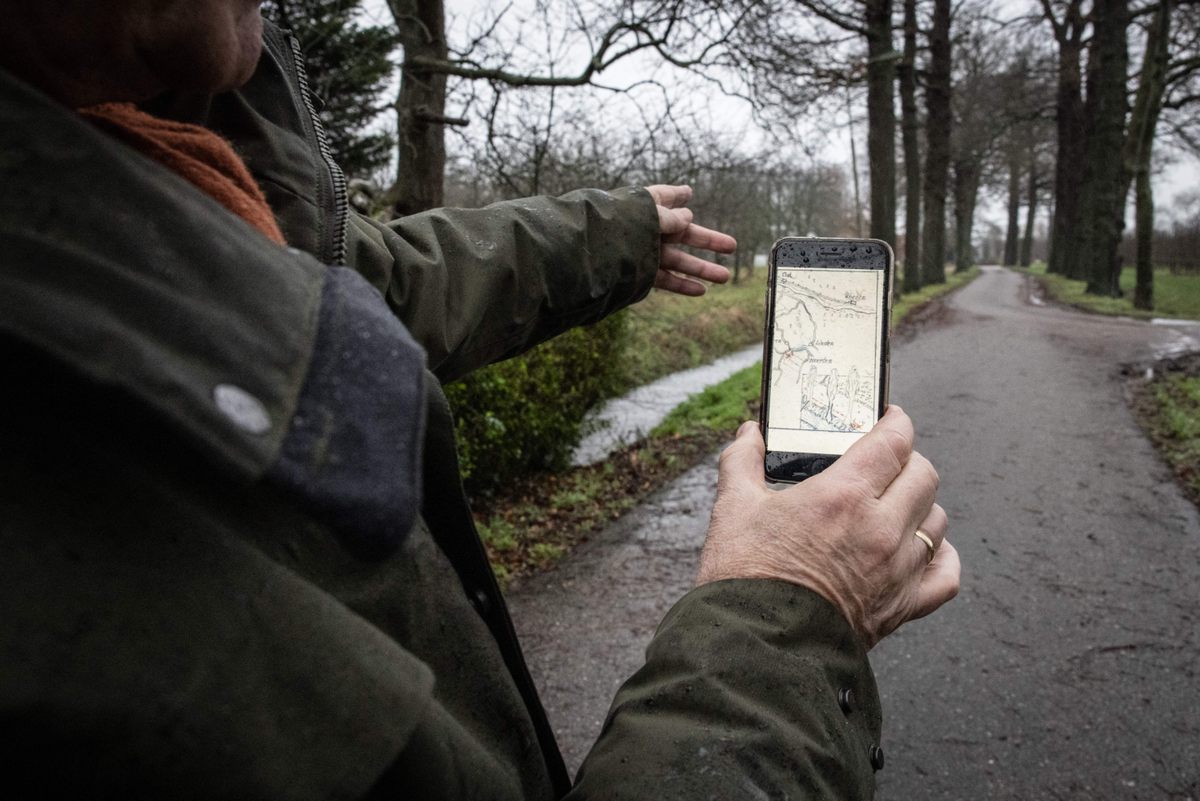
(335, 243)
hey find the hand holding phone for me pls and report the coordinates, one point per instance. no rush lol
(825, 350)
(847, 534)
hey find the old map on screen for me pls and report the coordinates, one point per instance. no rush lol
(824, 381)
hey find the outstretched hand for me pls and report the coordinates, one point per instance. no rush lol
(677, 269)
(847, 533)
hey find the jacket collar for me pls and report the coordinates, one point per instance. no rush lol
(273, 125)
(129, 275)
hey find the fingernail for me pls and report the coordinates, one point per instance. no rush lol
(746, 427)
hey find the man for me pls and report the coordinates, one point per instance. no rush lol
(237, 559)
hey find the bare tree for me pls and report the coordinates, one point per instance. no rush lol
(810, 198)
(1015, 147)
(1181, 103)
(938, 124)
(910, 131)
(871, 20)
(1139, 143)
(1032, 193)
(684, 33)
(1024, 109)
(1039, 142)
(881, 118)
(421, 106)
(1102, 194)
(1014, 165)
(980, 71)
(1169, 66)
(1068, 22)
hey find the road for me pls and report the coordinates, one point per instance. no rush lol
(1067, 667)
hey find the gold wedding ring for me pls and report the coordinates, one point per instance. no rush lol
(923, 537)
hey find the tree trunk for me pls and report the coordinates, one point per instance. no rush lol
(1143, 293)
(1030, 209)
(966, 190)
(1069, 119)
(420, 107)
(1013, 231)
(911, 130)
(881, 119)
(858, 215)
(1139, 143)
(1104, 176)
(937, 150)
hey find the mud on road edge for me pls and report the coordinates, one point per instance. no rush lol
(930, 313)
(1169, 413)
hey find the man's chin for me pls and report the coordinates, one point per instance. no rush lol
(212, 73)
(251, 44)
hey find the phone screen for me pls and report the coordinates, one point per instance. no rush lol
(825, 379)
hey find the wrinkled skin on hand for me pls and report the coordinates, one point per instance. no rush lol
(846, 534)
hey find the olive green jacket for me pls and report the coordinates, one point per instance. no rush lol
(236, 557)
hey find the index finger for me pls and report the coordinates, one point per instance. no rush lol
(877, 459)
(669, 195)
(707, 239)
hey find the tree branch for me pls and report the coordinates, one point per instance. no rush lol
(599, 61)
(1179, 102)
(829, 15)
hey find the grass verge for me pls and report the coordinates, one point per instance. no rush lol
(674, 333)
(1174, 295)
(1168, 407)
(541, 517)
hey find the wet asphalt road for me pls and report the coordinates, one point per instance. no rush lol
(1069, 666)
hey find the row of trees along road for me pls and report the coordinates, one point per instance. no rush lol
(1053, 107)
(1102, 146)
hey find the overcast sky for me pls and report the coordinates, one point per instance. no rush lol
(1178, 172)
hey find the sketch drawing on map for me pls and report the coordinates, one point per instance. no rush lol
(825, 347)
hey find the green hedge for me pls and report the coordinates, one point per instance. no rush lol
(526, 413)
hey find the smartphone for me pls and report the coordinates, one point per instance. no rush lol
(825, 350)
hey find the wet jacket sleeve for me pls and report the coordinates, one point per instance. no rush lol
(478, 285)
(743, 695)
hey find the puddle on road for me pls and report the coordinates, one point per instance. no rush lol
(624, 420)
(1185, 338)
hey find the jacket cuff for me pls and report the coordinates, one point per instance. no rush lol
(645, 235)
(747, 684)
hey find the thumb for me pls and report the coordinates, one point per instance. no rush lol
(669, 195)
(673, 222)
(742, 460)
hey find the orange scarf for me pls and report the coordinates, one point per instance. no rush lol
(193, 152)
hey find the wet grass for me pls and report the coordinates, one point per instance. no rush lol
(1174, 295)
(722, 407)
(672, 333)
(542, 517)
(1168, 407)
